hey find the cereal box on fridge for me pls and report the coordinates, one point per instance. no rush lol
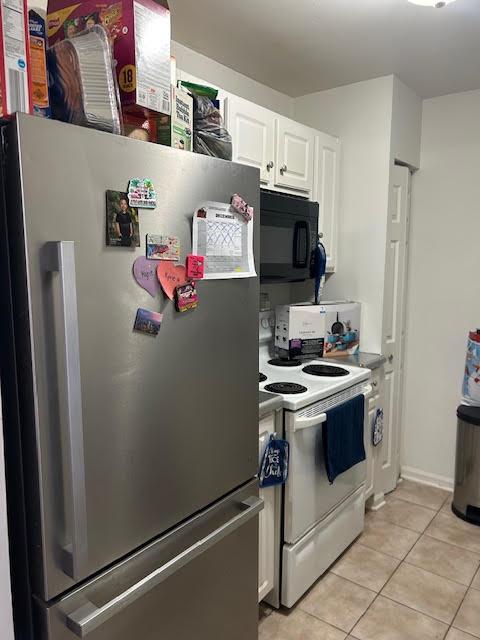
(139, 32)
(38, 65)
(15, 65)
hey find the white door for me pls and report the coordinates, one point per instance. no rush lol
(326, 191)
(251, 128)
(266, 520)
(294, 155)
(394, 323)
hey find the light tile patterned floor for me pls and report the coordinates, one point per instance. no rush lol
(413, 574)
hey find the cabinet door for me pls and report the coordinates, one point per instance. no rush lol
(294, 155)
(251, 128)
(326, 192)
(266, 521)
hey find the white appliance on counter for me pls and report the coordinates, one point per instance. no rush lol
(320, 520)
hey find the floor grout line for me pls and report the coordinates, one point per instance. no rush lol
(402, 561)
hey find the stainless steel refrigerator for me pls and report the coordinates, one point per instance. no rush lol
(136, 455)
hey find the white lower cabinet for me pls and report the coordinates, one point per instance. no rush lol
(266, 522)
(375, 489)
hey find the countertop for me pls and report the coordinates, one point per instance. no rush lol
(268, 402)
(360, 359)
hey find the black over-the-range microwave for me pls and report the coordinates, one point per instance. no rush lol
(288, 237)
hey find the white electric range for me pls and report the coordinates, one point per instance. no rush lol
(320, 520)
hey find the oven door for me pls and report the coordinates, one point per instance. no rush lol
(309, 496)
(287, 236)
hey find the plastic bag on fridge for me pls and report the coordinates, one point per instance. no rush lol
(471, 379)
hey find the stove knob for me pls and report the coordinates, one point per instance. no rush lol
(265, 324)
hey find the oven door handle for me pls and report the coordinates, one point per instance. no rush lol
(306, 423)
(367, 391)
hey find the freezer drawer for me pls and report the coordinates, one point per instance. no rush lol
(199, 581)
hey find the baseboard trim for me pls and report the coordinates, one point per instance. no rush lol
(432, 479)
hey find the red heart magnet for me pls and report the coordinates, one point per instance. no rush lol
(170, 275)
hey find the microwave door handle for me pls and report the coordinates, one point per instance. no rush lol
(301, 225)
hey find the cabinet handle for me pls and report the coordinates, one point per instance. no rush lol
(270, 165)
(283, 169)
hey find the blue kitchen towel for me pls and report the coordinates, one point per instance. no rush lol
(342, 437)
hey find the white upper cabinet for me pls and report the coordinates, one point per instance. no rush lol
(252, 130)
(294, 155)
(326, 191)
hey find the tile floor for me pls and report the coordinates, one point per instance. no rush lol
(412, 575)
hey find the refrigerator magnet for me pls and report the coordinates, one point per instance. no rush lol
(239, 205)
(163, 247)
(186, 298)
(195, 267)
(141, 193)
(170, 276)
(145, 274)
(148, 322)
(121, 221)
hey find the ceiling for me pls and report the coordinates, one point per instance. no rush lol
(302, 46)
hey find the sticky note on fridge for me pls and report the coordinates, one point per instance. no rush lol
(195, 267)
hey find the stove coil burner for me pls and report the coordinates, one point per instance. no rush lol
(262, 377)
(285, 387)
(280, 362)
(325, 370)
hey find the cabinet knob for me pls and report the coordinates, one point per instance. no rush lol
(375, 383)
(390, 357)
(270, 165)
(283, 169)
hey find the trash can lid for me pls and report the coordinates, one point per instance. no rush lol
(469, 414)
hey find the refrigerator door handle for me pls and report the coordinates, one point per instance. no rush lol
(61, 259)
(89, 617)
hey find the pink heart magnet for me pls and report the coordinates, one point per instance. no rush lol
(144, 272)
(170, 275)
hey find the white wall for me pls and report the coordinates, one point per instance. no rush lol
(217, 74)
(443, 295)
(361, 115)
(406, 124)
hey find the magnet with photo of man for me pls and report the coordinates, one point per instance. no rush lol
(122, 224)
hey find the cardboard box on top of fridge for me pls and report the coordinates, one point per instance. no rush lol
(38, 64)
(15, 89)
(342, 335)
(139, 32)
(300, 330)
(176, 130)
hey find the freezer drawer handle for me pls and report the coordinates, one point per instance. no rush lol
(61, 258)
(89, 617)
